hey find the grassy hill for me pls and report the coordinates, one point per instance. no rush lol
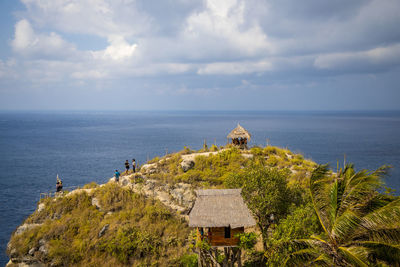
(113, 225)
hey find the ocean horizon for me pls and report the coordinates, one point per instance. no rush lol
(86, 146)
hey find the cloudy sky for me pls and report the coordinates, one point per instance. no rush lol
(200, 54)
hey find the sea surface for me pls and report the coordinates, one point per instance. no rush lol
(82, 147)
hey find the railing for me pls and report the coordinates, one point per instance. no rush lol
(56, 194)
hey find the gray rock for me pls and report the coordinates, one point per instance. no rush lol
(149, 168)
(124, 181)
(43, 249)
(25, 227)
(42, 242)
(13, 253)
(95, 202)
(32, 251)
(187, 164)
(56, 216)
(103, 230)
(41, 207)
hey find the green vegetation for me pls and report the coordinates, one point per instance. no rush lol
(360, 225)
(140, 231)
(266, 193)
(212, 170)
(306, 215)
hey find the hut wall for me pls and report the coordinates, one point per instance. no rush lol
(218, 236)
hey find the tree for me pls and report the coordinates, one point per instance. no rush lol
(301, 222)
(265, 192)
(360, 225)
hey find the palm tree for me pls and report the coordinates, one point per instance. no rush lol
(361, 227)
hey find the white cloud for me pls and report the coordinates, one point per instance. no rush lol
(222, 29)
(119, 49)
(96, 17)
(234, 68)
(361, 60)
(27, 42)
(201, 41)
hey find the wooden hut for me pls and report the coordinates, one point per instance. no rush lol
(239, 136)
(218, 215)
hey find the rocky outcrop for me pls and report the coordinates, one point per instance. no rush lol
(149, 168)
(25, 262)
(25, 227)
(31, 259)
(179, 197)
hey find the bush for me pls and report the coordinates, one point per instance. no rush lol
(272, 161)
(213, 148)
(247, 240)
(189, 260)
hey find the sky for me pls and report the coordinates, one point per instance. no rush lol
(199, 55)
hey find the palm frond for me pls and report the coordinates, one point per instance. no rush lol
(345, 225)
(302, 257)
(388, 253)
(333, 205)
(323, 260)
(318, 181)
(384, 235)
(360, 185)
(384, 216)
(356, 256)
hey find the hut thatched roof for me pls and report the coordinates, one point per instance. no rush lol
(220, 208)
(239, 132)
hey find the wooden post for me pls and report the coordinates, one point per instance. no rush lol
(199, 258)
(239, 258)
(226, 254)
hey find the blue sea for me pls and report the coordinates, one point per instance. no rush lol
(82, 147)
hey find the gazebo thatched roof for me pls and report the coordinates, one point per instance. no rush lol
(220, 208)
(239, 132)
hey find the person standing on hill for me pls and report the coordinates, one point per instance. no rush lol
(117, 174)
(59, 184)
(127, 166)
(133, 165)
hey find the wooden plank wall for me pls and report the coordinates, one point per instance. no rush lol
(218, 236)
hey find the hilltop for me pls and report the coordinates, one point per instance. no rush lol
(142, 220)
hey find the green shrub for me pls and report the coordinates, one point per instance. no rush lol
(90, 185)
(257, 151)
(272, 161)
(247, 240)
(214, 148)
(189, 260)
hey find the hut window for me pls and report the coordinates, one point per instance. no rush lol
(227, 232)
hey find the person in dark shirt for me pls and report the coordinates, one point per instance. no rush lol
(127, 166)
(59, 185)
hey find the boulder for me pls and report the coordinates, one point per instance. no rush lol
(149, 168)
(96, 202)
(187, 164)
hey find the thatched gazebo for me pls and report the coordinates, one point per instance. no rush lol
(239, 136)
(218, 215)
